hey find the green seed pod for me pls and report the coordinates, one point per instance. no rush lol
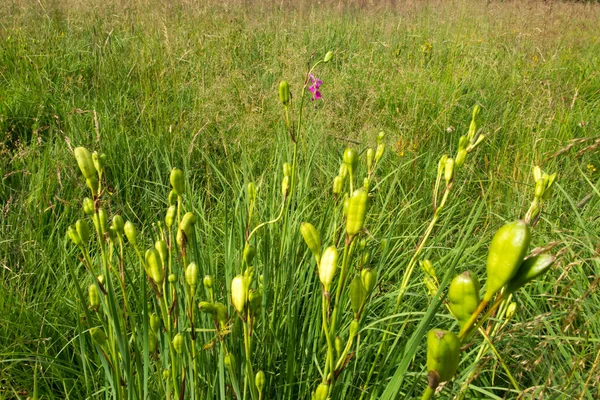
(155, 323)
(83, 230)
(255, 301)
(346, 204)
(177, 181)
(507, 250)
(180, 239)
(328, 267)
(427, 267)
(172, 278)
(163, 251)
(100, 279)
(191, 274)
(351, 160)
(284, 93)
(370, 158)
(155, 269)
(94, 296)
(537, 173)
(430, 285)
(260, 381)
(328, 56)
(98, 336)
(338, 185)
(249, 254)
(463, 296)
(208, 282)
(369, 279)
(540, 187)
(85, 162)
(130, 233)
(92, 183)
(463, 143)
(476, 111)
(366, 184)
(170, 217)
(362, 245)
(285, 186)
(152, 342)
(379, 152)
(222, 316)
(353, 328)
(187, 224)
(74, 236)
(339, 346)
(118, 224)
(530, 269)
(178, 343)
(366, 257)
(357, 211)
(358, 294)
(511, 310)
(343, 172)
(322, 391)
(461, 156)
(312, 239)
(88, 206)
(449, 170)
(103, 220)
(166, 374)
(251, 192)
(443, 353)
(239, 293)
(549, 187)
(207, 307)
(172, 199)
(380, 137)
(287, 169)
(99, 161)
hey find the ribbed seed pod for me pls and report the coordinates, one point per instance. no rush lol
(118, 224)
(208, 282)
(179, 343)
(463, 296)
(191, 274)
(88, 206)
(338, 185)
(284, 93)
(255, 301)
(530, 269)
(312, 239)
(152, 342)
(351, 160)
(85, 162)
(170, 217)
(328, 56)
(172, 199)
(103, 220)
(249, 254)
(239, 293)
(449, 170)
(260, 381)
(163, 251)
(507, 251)
(187, 224)
(357, 212)
(130, 233)
(155, 269)
(155, 323)
(322, 391)
(287, 169)
(83, 230)
(461, 156)
(285, 186)
(94, 296)
(369, 279)
(177, 181)
(328, 267)
(443, 353)
(343, 172)
(99, 161)
(172, 278)
(74, 236)
(370, 158)
(358, 294)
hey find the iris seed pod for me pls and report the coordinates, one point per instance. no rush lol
(130, 233)
(260, 381)
(511, 310)
(155, 322)
(346, 204)
(191, 274)
(94, 296)
(312, 239)
(463, 143)
(366, 184)
(172, 199)
(98, 336)
(461, 156)
(380, 137)
(92, 183)
(379, 152)
(328, 56)
(249, 254)
(357, 211)
(99, 161)
(322, 391)
(179, 238)
(442, 164)
(178, 343)
(103, 220)
(443, 353)
(328, 267)
(284, 93)
(187, 224)
(449, 170)
(427, 267)
(85, 162)
(239, 293)
(177, 181)
(362, 245)
(338, 184)
(208, 282)
(353, 329)
(118, 224)
(540, 187)
(172, 278)
(463, 296)
(530, 269)
(339, 346)
(207, 307)
(154, 263)
(507, 250)
(285, 186)
(83, 230)
(369, 279)
(255, 301)
(287, 169)
(170, 217)
(476, 111)
(343, 172)
(537, 173)
(163, 251)
(366, 257)
(166, 374)
(430, 285)
(152, 342)
(74, 236)
(88, 206)
(370, 158)
(358, 294)
(351, 160)
(222, 316)
(549, 187)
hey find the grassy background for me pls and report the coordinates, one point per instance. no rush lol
(155, 84)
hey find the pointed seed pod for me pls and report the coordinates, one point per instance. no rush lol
(351, 160)
(172, 199)
(370, 158)
(180, 239)
(249, 254)
(130, 233)
(191, 274)
(328, 56)
(549, 187)
(322, 391)
(339, 346)
(449, 170)
(83, 230)
(312, 239)
(94, 296)
(507, 251)
(463, 296)
(285, 186)
(163, 251)
(85, 162)
(343, 172)
(442, 164)
(338, 184)
(255, 301)
(74, 236)
(380, 137)
(155, 269)
(208, 282)
(461, 156)
(239, 293)
(155, 323)
(540, 187)
(531, 268)
(118, 224)
(357, 211)
(511, 310)
(537, 173)
(178, 343)
(88, 206)
(379, 152)
(430, 285)
(443, 353)
(369, 279)
(98, 336)
(152, 342)
(103, 220)
(346, 204)
(207, 307)
(287, 169)
(284, 93)
(358, 294)
(353, 328)
(463, 142)
(362, 245)
(187, 224)
(328, 267)
(366, 185)
(166, 374)
(99, 161)
(427, 267)
(260, 381)
(177, 181)
(170, 217)
(92, 184)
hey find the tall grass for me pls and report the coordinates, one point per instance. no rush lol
(155, 86)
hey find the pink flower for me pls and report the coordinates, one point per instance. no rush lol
(314, 88)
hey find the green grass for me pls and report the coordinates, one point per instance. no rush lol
(155, 86)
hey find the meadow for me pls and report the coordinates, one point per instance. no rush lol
(156, 85)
